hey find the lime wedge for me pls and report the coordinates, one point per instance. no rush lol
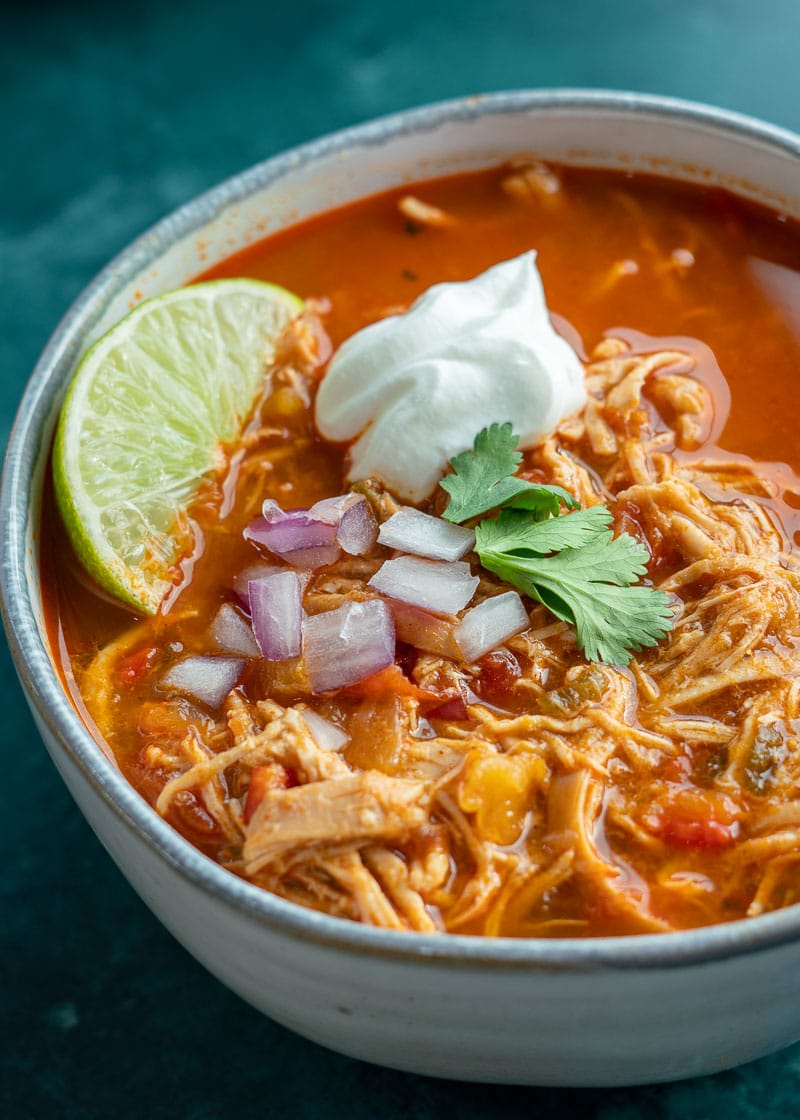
(144, 421)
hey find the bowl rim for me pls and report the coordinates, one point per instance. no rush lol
(56, 711)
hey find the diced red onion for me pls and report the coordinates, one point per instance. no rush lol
(330, 510)
(277, 613)
(358, 529)
(324, 733)
(343, 646)
(454, 708)
(471, 697)
(257, 571)
(441, 586)
(232, 633)
(294, 536)
(356, 526)
(204, 678)
(274, 513)
(490, 623)
(410, 530)
(424, 630)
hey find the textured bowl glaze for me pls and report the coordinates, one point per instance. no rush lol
(570, 1012)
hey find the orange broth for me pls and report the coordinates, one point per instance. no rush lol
(616, 252)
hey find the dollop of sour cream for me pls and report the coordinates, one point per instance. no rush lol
(413, 390)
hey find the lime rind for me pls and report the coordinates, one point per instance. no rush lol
(144, 419)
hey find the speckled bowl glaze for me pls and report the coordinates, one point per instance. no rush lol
(571, 1012)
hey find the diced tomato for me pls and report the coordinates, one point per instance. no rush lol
(132, 668)
(498, 672)
(695, 818)
(676, 768)
(164, 721)
(664, 555)
(262, 780)
(682, 833)
(390, 680)
(188, 809)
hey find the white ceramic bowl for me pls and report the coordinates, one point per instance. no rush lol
(571, 1012)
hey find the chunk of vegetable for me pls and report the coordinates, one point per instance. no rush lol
(263, 779)
(232, 633)
(352, 516)
(345, 645)
(423, 630)
(500, 790)
(694, 818)
(491, 623)
(324, 732)
(441, 586)
(277, 613)
(410, 530)
(296, 537)
(204, 678)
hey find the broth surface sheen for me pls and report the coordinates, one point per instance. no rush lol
(571, 799)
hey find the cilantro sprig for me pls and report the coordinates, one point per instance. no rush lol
(571, 562)
(485, 478)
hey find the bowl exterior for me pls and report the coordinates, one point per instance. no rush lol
(618, 1011)
(520, 1023)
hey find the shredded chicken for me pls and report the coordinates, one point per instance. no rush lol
(569, 798)
(423, 213)
(531, 181)
(346, 810)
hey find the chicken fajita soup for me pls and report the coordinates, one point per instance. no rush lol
(482, 617)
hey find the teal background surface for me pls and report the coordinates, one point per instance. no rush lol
(110, 116)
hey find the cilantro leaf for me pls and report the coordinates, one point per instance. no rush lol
(589, 587)
(515, 531)
(484, 478)
(543, 501)
(571, 562)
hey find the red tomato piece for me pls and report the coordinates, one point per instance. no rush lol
(132, 668)
(499, 670)
(262, 780)
(695, 818)
(389, 680)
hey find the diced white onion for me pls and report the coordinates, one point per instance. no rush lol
(204, 678)
(441, 586)
(232, 633)
(410, 530)
(490, 623)
(343, 646)
(324, 733)
(277, 613)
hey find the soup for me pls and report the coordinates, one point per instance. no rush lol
(527, 791)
